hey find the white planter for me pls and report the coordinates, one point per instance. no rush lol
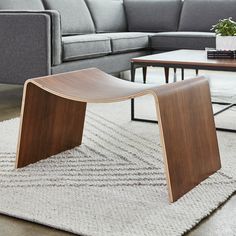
(225, 42)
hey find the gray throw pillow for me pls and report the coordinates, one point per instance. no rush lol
(21, 5)
(75, 16)
(153, 15)
(108, 15)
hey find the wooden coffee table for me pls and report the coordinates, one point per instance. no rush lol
(183, 59)
(54, 110)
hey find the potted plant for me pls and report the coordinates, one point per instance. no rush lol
(225, 34)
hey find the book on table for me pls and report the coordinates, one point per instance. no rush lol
(220, 54)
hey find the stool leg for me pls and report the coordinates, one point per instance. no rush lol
(49, 125)
(188, 134)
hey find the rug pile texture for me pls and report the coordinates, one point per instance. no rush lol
(113, 184)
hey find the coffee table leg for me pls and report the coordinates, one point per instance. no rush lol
(227, 107)
(166, 74)
(133, 69)
(144, 74)
(190, 155)
(49, 125)
(175, 74)
(182, 73)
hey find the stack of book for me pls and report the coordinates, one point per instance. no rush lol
(221, 54)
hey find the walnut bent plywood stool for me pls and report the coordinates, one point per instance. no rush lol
(53, 114)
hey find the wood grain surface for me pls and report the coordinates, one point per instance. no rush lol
(90, 85)
(53, 113)
(188, 134)
(49, 125)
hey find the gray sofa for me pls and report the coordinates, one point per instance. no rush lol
(42, 37)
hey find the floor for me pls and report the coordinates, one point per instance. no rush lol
(221, 222)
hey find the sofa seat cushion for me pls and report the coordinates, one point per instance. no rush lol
(200, 15)
(85, 46)
(128, 41)
(75, 16)
(152, 15)
(36, 5)
(182, 40)
(108, 15)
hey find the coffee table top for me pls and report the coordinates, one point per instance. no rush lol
(185, 58)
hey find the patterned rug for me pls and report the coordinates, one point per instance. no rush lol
(113, 184)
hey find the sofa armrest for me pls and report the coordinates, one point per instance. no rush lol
(56, 40)
(30, 43)
(55, 30)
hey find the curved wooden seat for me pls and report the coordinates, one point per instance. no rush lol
(54, 107)
(91, 86)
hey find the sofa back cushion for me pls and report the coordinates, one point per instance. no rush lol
(153, 15)
(75, 16)
(200, 15)
(21, 5)
(108, 15)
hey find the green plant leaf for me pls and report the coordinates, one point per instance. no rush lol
(225, 27)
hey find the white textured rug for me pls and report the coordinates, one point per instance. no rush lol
(112, 185)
